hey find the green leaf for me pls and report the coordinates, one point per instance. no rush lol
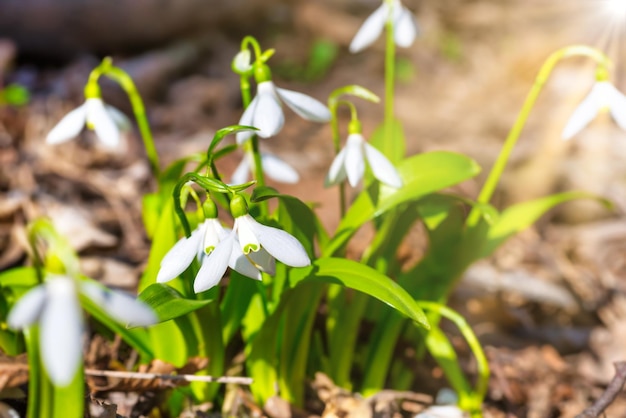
(19, 277)
(422, 174)
(518, 217)
(365, 279)
(168, 303)
(394, 150)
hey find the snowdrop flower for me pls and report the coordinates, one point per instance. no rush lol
(259, 245)
(203, 241)
(404, 26)
(265, 111)
(350, 162)
(56, 307)
(603, 95)
(274, 167)
(105, 120)
(442, 411)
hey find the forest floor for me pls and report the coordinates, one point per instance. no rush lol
(549, 306)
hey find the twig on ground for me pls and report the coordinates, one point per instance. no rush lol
(174, 377)
(609, 395)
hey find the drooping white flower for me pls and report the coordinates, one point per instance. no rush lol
(274, 167)
(208, 238)
(441, 411)
(350, 164)
(258, 244)
(105, 120)
(603, 95)
(266, 114)
(404, 26)
(55, 305)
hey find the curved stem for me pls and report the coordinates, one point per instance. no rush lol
(126, 82)
(251, 41)
(390, 57)
(482, 382)
(334, 126)
(511, 139)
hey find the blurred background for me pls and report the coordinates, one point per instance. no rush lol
(550, 305)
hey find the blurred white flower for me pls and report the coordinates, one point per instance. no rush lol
(603, 95)
(266, 113)
(105, 120)
(442, 411)
(350, 164)
(404, 26)
(259, 245)
(273, 167)
(207, 238)
(55, 305)
(242, 62)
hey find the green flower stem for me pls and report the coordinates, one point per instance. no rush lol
(207, 183)
(333, 105)
(123, 79)
(482, 382)
(38, 404)
(390, 69)
(541, 79)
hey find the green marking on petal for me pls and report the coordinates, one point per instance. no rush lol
(251, 247)
(208, 250)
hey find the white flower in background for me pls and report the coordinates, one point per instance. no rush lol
(404, 26)
(266, 113)
(207, 238)
(275, 168)
(105, 120)
(55, 305)
(603, 95)
(350, 164)
(259, 244)
(242, 62)
(442, 411)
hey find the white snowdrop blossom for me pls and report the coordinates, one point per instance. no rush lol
(404, 26)
(266, 114)
(55, 306)
(105, 120)
(441, 411)
(210, 237)
(259, 244)
(275, 168)
(350, 164)
(603, 95)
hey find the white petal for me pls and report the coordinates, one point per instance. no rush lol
(69, 126)
(264, 261)
(246, 120)
(119, 118)
(305, 106)
(268, 115)
(241, 62)
(248, 241)
(180, 256)
(28, 308)
(337, 172)
(214, 265)
(120, 306)
(102, 123)
(370, 30)
(586, 111)
(241, 173)
(617, 106)
(355, 166)
(405, 28)
(241, 264)
(381, 167)
(278, 170)
(213, 230)
(280, 244)
(60, 332)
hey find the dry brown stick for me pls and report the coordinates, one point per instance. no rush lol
(609, 395)
(179, 377)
